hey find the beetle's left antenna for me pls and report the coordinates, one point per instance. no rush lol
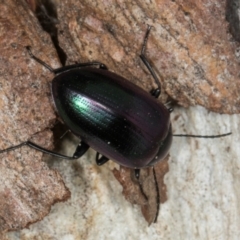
(39, 60)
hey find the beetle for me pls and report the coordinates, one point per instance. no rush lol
(113, 116)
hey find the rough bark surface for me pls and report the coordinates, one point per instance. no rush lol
(28, 187)
(189, 46)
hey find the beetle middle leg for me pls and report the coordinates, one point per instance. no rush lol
(155, 92)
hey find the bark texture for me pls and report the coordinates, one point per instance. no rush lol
(28, 186)
(198, 63)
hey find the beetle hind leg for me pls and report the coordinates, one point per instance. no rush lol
(101, 160)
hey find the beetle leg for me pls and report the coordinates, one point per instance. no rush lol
(80, 150)
(100, 161)
(155, 92)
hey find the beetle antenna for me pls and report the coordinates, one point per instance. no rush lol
(202, 136)
(39, 60)
(157, 196)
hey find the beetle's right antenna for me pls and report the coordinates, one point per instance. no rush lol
(155, 92)
(202, 136)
